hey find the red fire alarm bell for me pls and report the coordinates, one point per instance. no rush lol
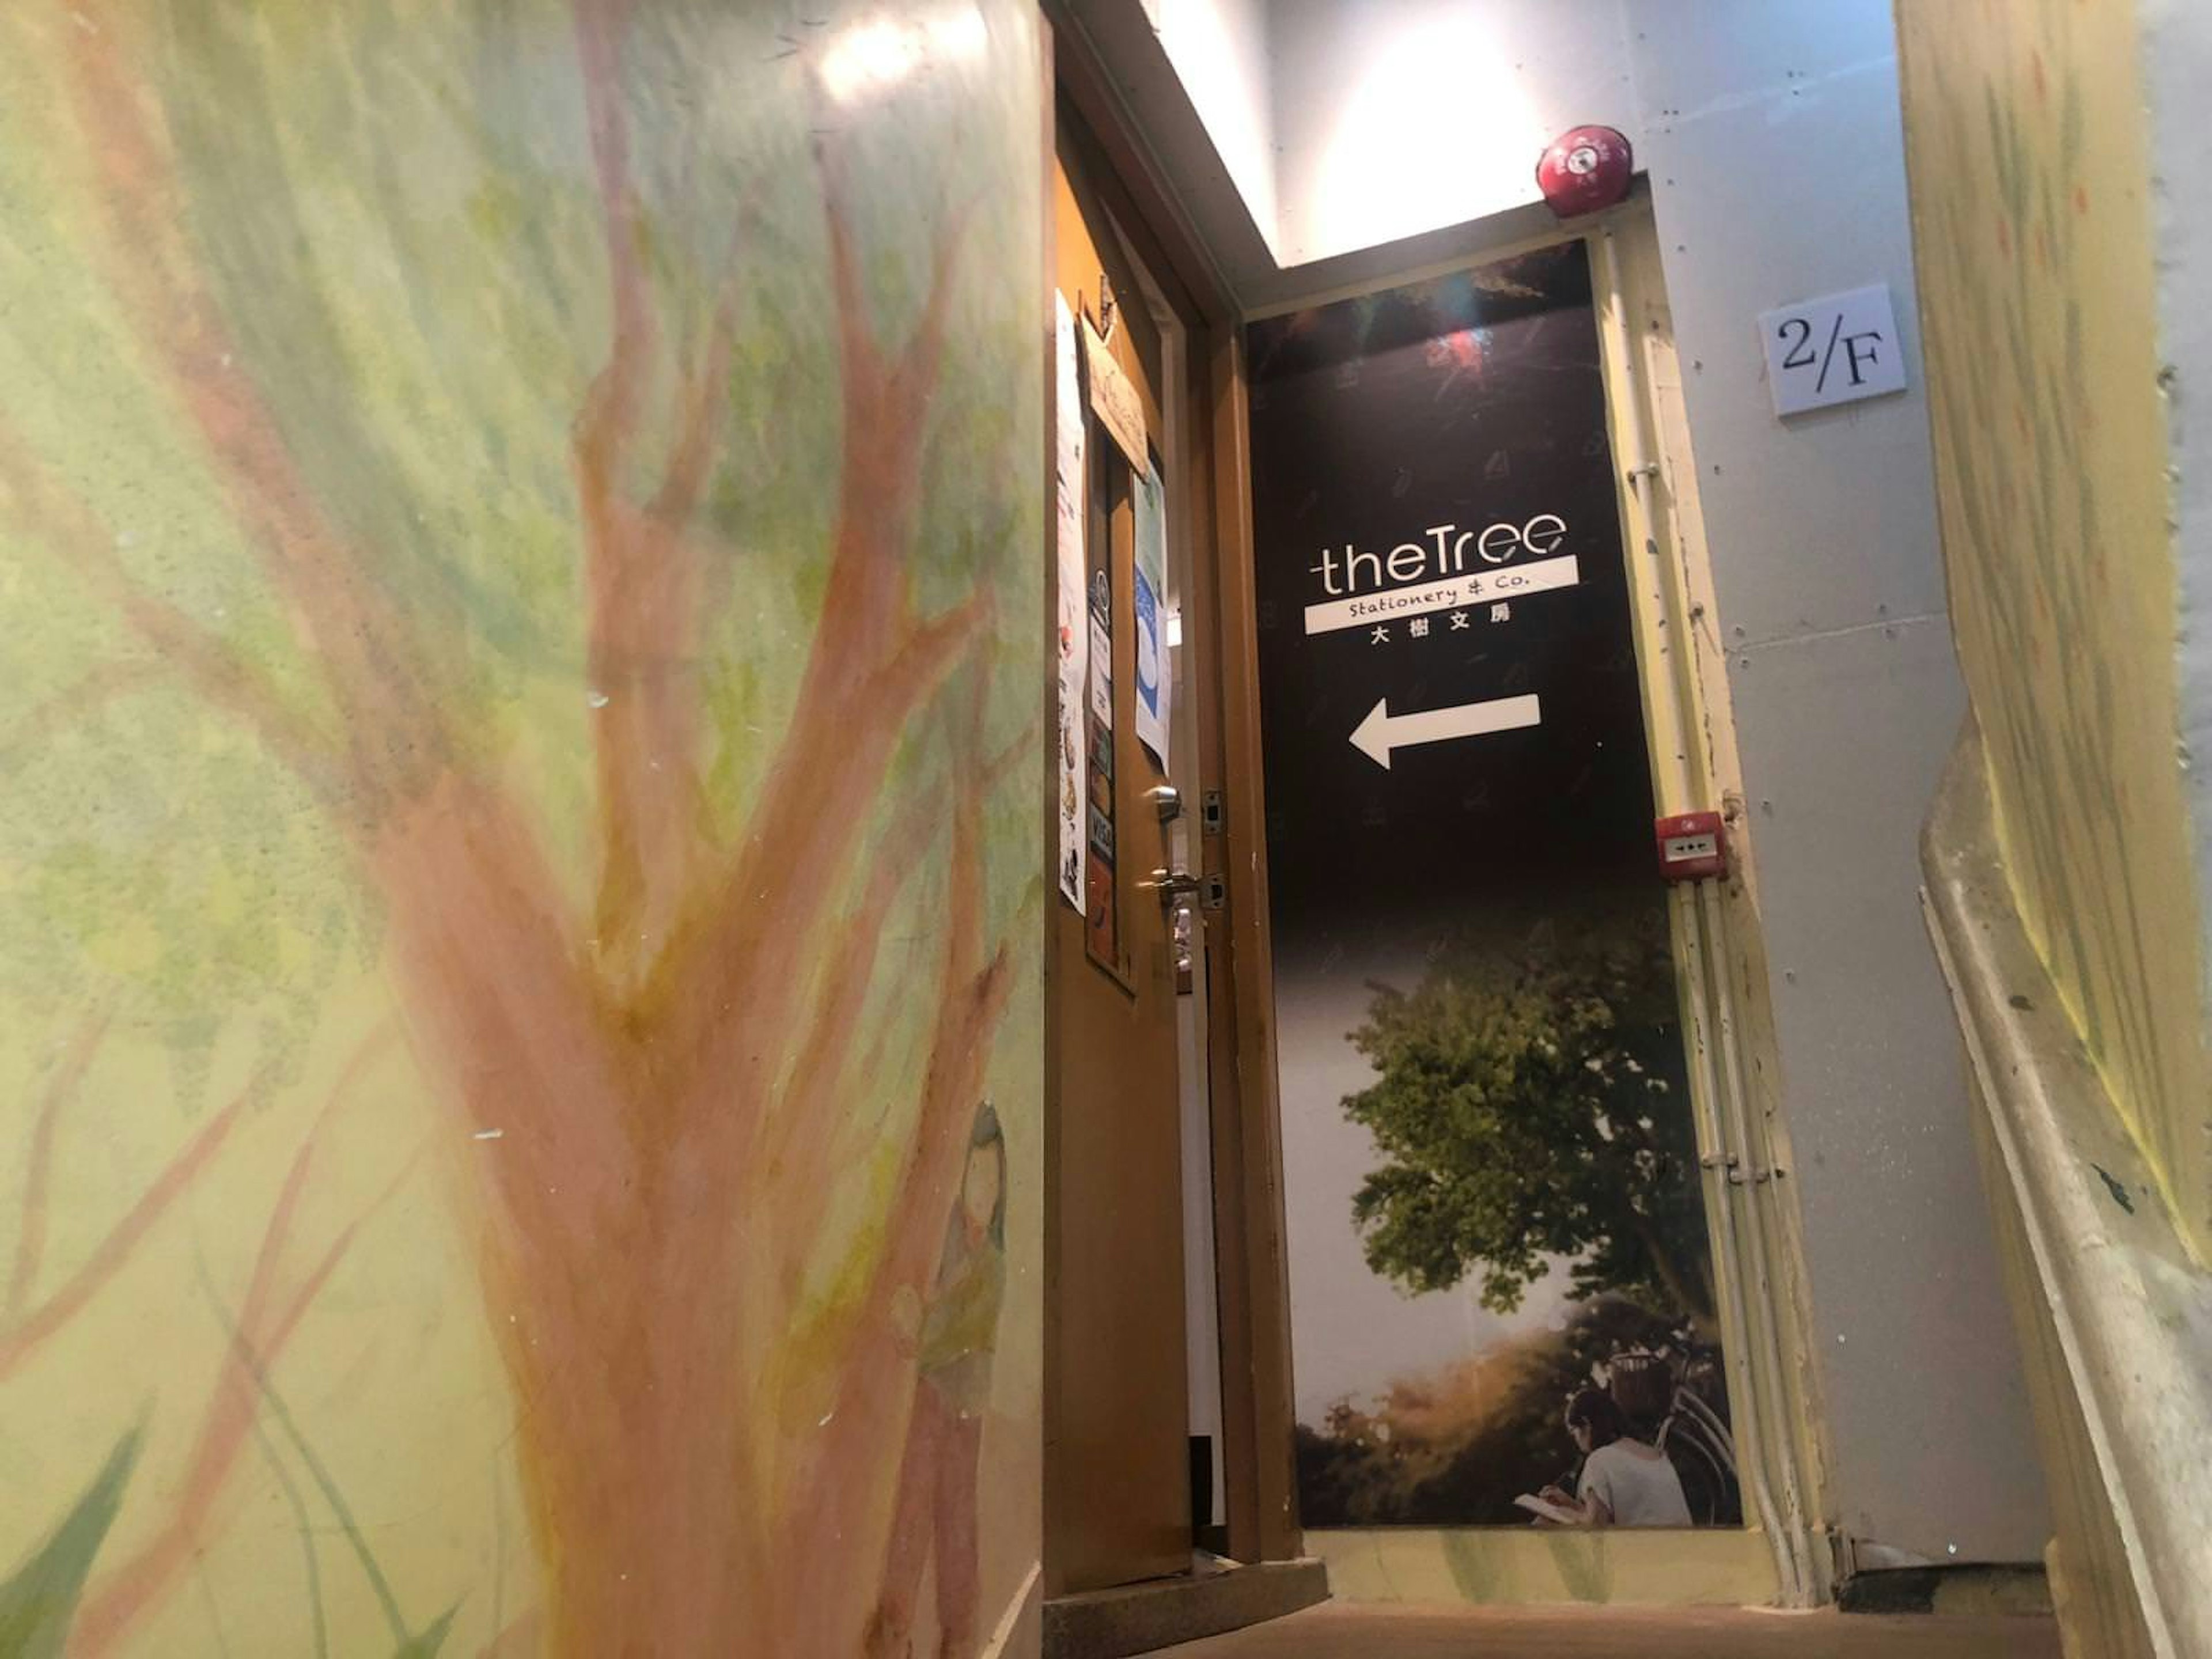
(1692, 846)
(1585, 169)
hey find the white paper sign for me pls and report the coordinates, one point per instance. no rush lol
(1102, 672)
(1835, 349)
(1071, 642)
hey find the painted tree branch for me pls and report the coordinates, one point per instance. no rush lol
(25, 1332)
(38, 1167)
(94, 690)
(266, 1322)
(801, 1149)
(640, 569)
(802, 1132)
(499, 994)
(871, 665)
(53, 518)
(797, 1130)
(395, 733)
(609, 419)
(704, 401)
(649, 578)
(862, 1427)
(419, 819)
(23, 1336)
(756, 931)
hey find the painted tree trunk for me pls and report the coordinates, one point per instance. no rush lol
(703, 1127)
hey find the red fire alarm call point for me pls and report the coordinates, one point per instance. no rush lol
(1692, 846)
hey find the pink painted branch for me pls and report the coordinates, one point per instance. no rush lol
(644, 584)
(647, 572)
(38, 1167)
(931, 651)
(503, 1002)
(860, 359)
(869, 666)
(350, 631)
(21, 1336)
(816, 802)
(803, 1129)
(103, 685)
(127, 1593)
(858, 1432)
(624, 569)
(827, 1058)
(915, 378)
(972, 999)
(1000, 766)
(24, 1335)
(611, 408)
(53, 518)
(705, 400)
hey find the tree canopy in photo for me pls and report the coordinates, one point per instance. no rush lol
(1529, 1106)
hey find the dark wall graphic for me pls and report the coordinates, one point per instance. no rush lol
(1500, 1282)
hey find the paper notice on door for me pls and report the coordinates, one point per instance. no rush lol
(1155, 679)
(1073, 635)
(1102, 672)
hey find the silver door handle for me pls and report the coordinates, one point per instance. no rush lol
(1172, 884)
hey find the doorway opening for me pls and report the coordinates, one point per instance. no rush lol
(1167, 1447)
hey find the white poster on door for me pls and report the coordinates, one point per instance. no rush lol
(1154, 681)
(1072, 640)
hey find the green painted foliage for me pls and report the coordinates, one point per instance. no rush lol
(427, 1644)
(38, 1601)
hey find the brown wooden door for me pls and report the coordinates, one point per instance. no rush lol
(1117, 1473)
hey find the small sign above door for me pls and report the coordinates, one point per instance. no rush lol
(1115, 400)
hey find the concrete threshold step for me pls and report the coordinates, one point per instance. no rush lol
(1214, 1596)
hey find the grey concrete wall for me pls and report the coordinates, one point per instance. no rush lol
(1773, 143)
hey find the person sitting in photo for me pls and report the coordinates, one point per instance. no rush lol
(1626, 1482)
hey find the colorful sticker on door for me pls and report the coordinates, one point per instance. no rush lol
(1147, 593)
(1102, 908)
(1072, 632)
(1500, 1284)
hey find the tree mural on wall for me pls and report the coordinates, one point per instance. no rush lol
(720, 949)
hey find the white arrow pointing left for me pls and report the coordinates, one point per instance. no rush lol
(1382, 730)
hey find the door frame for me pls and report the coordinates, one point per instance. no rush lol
(1689, 696)
(1220, 673)
(1721, 960)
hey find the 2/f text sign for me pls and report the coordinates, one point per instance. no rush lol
(1835, 349)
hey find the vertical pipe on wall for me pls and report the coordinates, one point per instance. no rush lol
(1727, 1271)
(1757, 1397)
(1752, 1176)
